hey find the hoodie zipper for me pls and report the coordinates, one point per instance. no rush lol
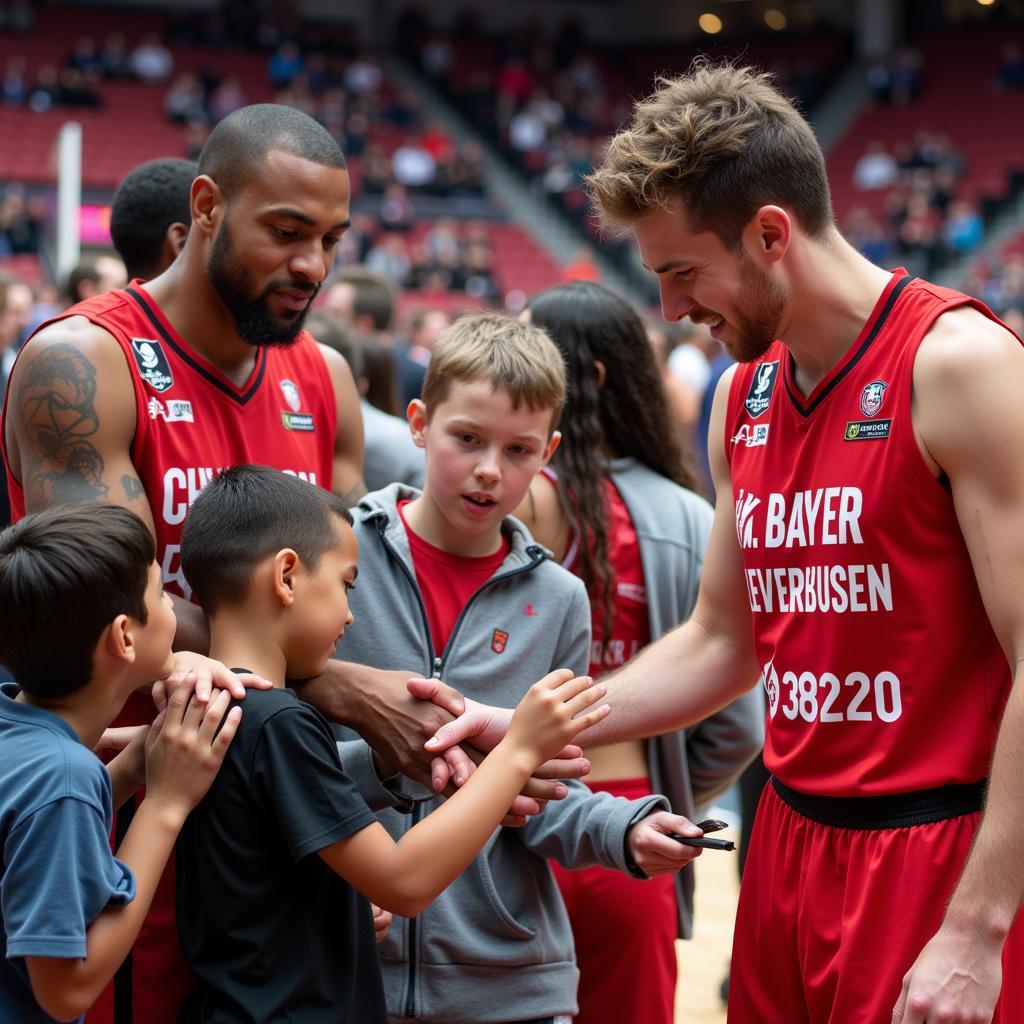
(537, 555)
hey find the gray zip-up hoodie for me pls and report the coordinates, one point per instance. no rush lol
(496, 946)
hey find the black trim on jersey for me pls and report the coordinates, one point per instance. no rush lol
(261, 355)
(834, 383)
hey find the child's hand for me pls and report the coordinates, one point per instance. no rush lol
(545, 720)
(200, 675)
(381, 921)
(129, 742)
(184, 750)
(651, 849)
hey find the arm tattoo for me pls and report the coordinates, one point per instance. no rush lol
(133, 488)
(57, 402)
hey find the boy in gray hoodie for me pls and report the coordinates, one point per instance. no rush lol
(459, 587)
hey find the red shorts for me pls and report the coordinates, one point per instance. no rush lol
(831, 919)
(625, 930)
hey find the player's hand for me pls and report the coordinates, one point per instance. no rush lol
(487, 725)
(200, 675)
(553, 711)
(186, 746)
(381, 921)
(956, 980)
(651, 849)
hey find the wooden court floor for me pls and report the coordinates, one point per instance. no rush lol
(704, 959)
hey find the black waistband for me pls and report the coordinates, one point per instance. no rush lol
(894, 810)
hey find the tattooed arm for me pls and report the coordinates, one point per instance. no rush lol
(347, 482)
(71, 419)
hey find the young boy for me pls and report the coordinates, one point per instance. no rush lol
(457, 586)
(272, 863)
(85, 623)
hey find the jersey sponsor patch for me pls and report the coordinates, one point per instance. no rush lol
(867, 430)
(872, 397)
(297, 421)
(761, 388)
(498, 640)
(751, 435)
(152, 363)
(290, 390)
(173, 411)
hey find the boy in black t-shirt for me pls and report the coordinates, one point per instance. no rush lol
(274, 860)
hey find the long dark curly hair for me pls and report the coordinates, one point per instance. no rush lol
(626, 414)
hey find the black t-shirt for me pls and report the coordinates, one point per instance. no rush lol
(271, 931)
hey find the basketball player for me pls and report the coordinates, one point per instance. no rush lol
(866, 559)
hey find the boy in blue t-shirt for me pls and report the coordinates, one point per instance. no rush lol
(85, 623)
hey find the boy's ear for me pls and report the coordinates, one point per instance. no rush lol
(416, 414)
(286, 562)
(117, 641)
(553, 443)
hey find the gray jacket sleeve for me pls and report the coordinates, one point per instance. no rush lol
(357, 762)
(573, 648)
(587, 829)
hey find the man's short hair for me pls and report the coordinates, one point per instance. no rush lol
(245, 514)
(65, 574)
(372, 295)
(725, 142)
(149, 199)
(238, 146)
(515, 357)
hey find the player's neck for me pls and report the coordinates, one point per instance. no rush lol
(195, 311)
(239, 639)
(833, 290)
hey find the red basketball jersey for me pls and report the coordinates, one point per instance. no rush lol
(192, 421)
(882, 671)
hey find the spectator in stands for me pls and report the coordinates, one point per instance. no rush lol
(396, 210)
(76, 89)
(21, 221)
(93, 276)
(115, 58)
(46, 90)
(284, 64)
(876, 168)
(16, 320)
(19, 16)
(425, 326)
(14, 87)
(963, 229)
(150, 215)
(228, 97)
(151, 61)
(363, 75)
(390, 258)
(1010, 74)
(375, 170)
(479, 268)
(411, 163)
(85, 57)
(185, 100)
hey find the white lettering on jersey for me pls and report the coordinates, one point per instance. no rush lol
(182, 487)
(745, 505)
(820, 588)
(829, 515)
(825, 698)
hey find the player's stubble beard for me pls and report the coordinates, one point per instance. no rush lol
(758, 322)
(254, 323)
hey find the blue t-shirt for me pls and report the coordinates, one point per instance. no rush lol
(57, 873)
